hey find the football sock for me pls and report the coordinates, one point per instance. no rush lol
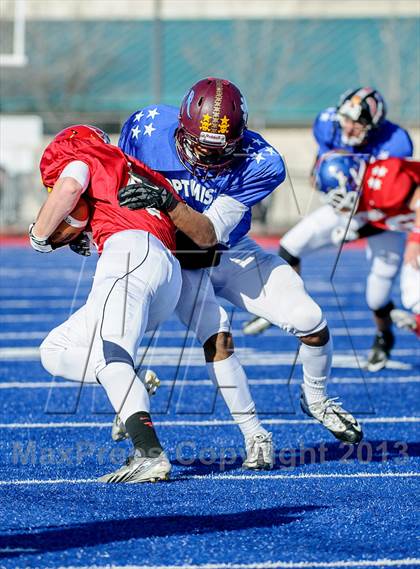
(124, 389)
(316, 362)
(230, 379)
(140, 428)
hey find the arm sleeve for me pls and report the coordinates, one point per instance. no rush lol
(79, 171)
(225, 213)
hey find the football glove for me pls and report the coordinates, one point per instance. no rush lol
(81, 245)
(40, 245)
(142, 193)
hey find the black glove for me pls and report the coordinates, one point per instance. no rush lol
(143, 193)
(81, 245)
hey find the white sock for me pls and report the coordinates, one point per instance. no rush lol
(124, 389)
(229, 377)
(316, 362)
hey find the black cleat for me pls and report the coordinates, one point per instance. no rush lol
(380, 351)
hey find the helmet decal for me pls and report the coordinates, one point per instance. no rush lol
(189, 101)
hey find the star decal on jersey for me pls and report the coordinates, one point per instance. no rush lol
(152, 113)
(138, 116)
(135, 132)
(270, 150)
(249, 148)
(148, 129)
(258, 157)
(259, 142)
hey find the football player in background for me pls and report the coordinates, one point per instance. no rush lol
(385, 195)
(136, 285)
(357, 125)
(221, 168)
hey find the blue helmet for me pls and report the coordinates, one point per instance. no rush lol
(339, 176)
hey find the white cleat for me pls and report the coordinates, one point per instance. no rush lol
(140, 468)
(256, 326)
(333, 417)
(259, 452)
(151, 383)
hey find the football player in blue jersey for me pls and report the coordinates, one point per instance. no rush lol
(221, 169)
(357, 125)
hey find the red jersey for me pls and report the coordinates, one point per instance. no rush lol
(109, 171)
(387, 188)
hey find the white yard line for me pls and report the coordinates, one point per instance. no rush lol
(195, 423)
(193, 356)
(206, 382)
(408, 561)
(221, 477)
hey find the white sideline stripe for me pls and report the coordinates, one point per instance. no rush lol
(327, 303)
(206, 382)
(193, 356)
(29, 317)
(274, 332)
(268, 565)
(19, 318)
(229, 477)
(191, 423)
(34, 303)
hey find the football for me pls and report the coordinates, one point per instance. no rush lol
(72, 225)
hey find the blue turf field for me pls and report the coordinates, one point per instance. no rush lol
(322, 506)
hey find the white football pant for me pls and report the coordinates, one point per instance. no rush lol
(385, 251)
(136, 286)
(410, 288)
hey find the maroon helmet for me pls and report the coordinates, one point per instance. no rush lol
(83, 131)
(212, 120)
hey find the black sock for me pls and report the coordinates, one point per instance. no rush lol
(142, 432)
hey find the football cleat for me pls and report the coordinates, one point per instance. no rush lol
(259, 452)
(404, 320)
(337, 420)
(380, 351)
(140, 468)
(151, 383)
(256, 326)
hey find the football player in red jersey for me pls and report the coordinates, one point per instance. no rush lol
(137, 280)
(385, 196)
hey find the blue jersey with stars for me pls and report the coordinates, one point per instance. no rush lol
(149, 135)
(388, 140)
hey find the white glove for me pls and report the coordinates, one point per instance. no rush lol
(41, 245)
(342, 234)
